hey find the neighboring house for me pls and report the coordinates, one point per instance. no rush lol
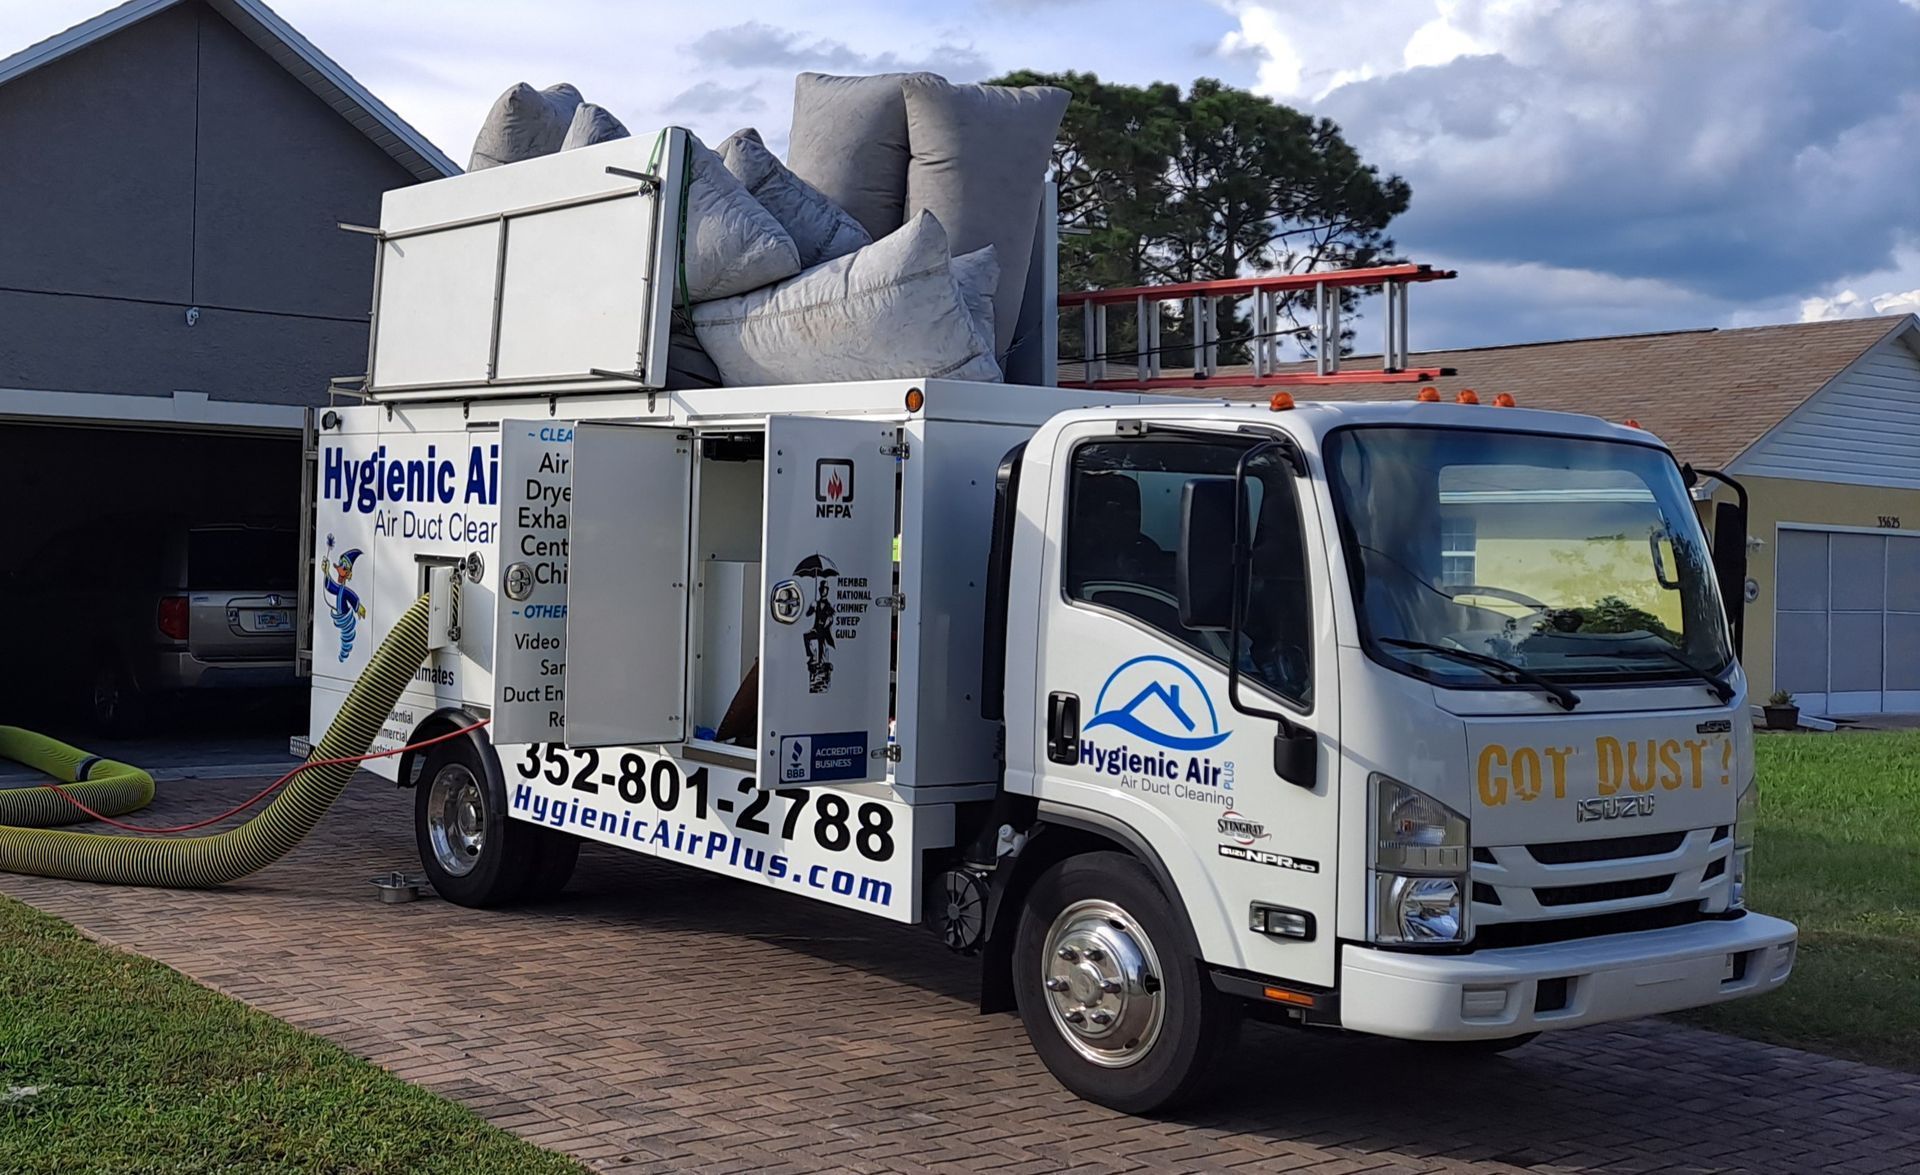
(1821, 421)
(172, 175)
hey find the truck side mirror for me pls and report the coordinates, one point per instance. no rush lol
(1730, 565)
(1203, 567)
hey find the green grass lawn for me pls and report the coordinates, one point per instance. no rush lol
(1838, 852)
(111, 1062)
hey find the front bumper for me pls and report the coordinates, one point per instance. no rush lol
(1499, 993)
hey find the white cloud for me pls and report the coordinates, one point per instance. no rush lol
(1848, 304)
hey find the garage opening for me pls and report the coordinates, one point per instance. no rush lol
(148, 572)
(1847, 621)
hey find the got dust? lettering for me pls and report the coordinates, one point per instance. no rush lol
(1638, 765)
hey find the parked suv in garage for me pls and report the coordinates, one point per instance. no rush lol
(138, 610)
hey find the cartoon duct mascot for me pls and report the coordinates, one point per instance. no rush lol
(342, 601)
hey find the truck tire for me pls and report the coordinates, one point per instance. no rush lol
(554, 856)
(1117, 1009)
(471, 852)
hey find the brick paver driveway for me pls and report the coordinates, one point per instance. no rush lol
(659, 1018)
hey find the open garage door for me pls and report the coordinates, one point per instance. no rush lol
(1847, 620)
(144, 566)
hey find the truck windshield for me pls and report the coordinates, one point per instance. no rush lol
(1574, 559)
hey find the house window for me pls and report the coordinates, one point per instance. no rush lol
(1457, 547)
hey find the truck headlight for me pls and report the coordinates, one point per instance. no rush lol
(1420, 863)
(1746, 816)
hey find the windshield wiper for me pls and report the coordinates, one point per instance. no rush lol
(1720, 688)
(1495, 666)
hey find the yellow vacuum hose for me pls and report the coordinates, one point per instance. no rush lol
(199, 861)
(108, 787)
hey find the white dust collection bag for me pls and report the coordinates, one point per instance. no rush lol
(892, 310)
(524, 123)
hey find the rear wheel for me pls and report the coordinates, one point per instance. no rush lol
(471, 852)
(1116, 1008)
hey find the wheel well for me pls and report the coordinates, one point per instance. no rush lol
(444, 721)
(1052, 839)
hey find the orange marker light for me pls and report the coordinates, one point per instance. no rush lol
(1466, 396)
(1630, 422)
(1281, 995)
(916, 399)
(1503, 400)
(1429, 395)
(1280, 402)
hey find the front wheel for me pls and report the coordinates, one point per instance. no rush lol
(1116, 1008)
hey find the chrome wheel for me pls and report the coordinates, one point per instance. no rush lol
(456, 819)
(1102, 978)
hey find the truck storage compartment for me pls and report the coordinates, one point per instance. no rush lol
(729, 480)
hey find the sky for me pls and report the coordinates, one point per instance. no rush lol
(1589, 167)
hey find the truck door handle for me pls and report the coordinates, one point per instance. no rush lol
(1063, 728)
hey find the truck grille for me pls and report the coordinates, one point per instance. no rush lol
(1568, 889)
(1606, 891)
(1572, 852)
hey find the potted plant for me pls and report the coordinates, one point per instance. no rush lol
(1781, 713)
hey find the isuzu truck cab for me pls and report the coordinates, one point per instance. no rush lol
(1414, 719)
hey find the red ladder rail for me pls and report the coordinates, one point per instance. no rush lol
(1200, 303)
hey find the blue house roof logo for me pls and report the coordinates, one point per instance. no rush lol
(1160, 700)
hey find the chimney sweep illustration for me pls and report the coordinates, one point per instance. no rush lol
(819, 635)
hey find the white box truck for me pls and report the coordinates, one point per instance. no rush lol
(1413, 719)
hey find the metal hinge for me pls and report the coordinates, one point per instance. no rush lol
(902, 450)
(891, 753)
(897, 603)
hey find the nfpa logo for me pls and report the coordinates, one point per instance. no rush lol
(833, 488)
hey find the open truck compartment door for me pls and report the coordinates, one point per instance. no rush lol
(626, 673)
(554, 270)
(828, 576)
(530, 614)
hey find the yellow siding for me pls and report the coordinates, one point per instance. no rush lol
(1814, 503)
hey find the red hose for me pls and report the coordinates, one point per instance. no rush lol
(276, 785)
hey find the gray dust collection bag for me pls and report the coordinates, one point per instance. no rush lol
(980, 156)
(524, 123)
(892, 310)
(849, 140)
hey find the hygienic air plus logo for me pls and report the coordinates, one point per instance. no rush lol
(1161, 703)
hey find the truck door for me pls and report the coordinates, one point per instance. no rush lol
(627, 558)
(827, 567)
(530, 615)
(1137, 721)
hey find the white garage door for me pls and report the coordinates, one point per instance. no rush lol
(1847, 621)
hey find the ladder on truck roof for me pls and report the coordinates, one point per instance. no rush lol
(1199, 303)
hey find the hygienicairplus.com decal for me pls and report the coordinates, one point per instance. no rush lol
(1153, 730)
(818, 841)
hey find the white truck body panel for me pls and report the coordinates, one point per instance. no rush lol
(426, 479)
